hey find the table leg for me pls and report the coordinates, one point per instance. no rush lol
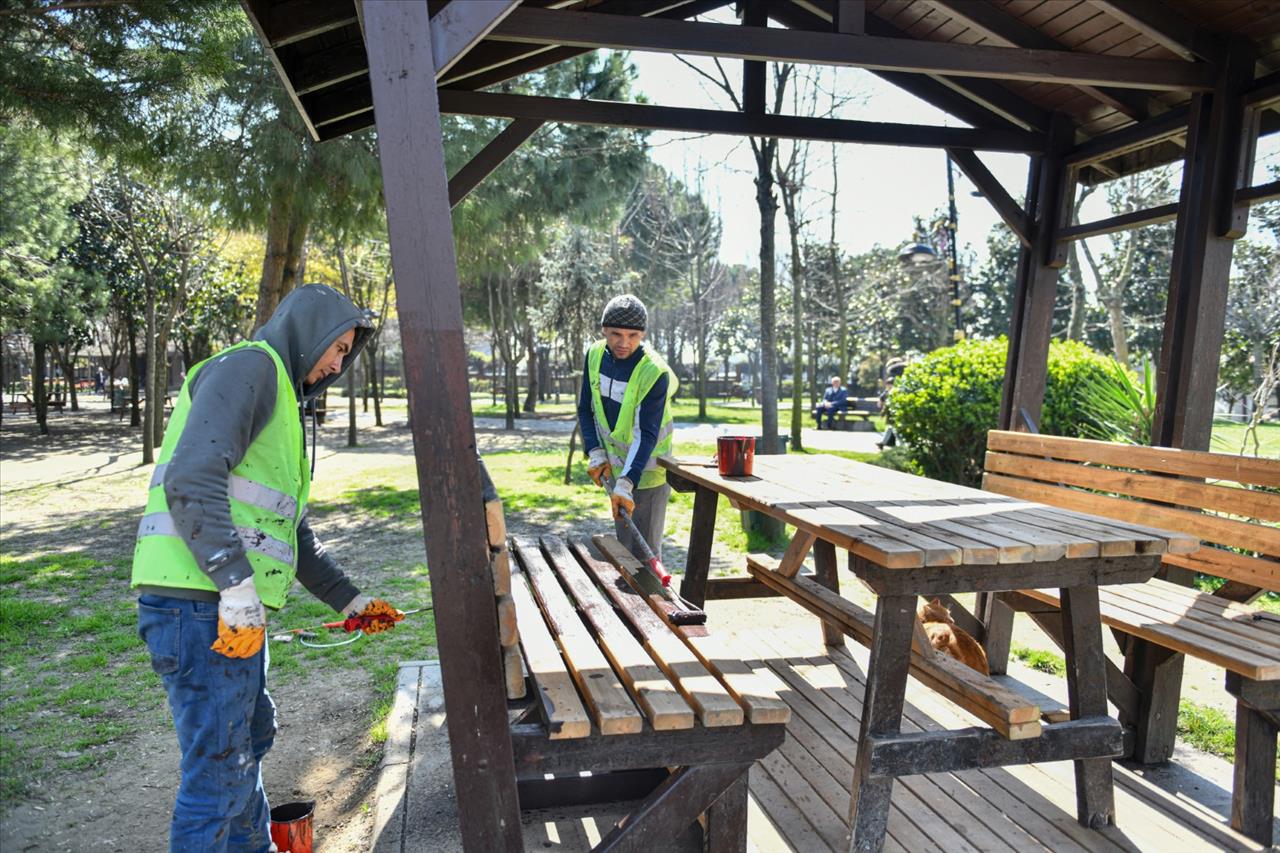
(881, 715)
(827, 573)
(701, 535)
(1087, 697)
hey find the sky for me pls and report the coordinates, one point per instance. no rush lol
(880, 188)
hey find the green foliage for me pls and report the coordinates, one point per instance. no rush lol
(1040, 659)
(944, 404)
(1207, 729)
(1118, 407)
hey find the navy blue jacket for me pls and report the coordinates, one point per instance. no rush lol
(614, 375)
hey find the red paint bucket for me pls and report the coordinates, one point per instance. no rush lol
(291, 827)
(735, 454)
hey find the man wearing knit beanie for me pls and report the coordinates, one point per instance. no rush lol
(624, 411)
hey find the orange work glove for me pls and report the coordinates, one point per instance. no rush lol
(621, 498)
(375, 615)
(242, 621)
(598, 467)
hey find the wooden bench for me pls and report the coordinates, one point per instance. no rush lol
(1216, 498)
(665, 715)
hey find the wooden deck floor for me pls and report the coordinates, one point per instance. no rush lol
(800, 794)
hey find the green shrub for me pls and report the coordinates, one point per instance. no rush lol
(944, 404)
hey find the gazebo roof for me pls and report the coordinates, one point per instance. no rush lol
(999, 65)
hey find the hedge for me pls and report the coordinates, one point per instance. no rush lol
(944, 404)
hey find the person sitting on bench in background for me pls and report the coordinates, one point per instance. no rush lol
(834, 399)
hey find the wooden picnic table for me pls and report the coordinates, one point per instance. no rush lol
(910, 536)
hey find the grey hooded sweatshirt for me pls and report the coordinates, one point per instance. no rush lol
(232, 398)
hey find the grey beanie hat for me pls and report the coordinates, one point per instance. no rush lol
(625, 312)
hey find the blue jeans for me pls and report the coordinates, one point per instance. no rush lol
(226, 722)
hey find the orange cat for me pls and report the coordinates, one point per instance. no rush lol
(949, 639)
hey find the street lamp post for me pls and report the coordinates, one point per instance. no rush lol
(920, 252)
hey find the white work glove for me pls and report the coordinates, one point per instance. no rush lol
(242, 621)
(598, 467)
(622, 498)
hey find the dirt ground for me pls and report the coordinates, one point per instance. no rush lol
(84, 489)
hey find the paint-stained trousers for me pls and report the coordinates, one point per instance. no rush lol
(226, 723)
(650, 516)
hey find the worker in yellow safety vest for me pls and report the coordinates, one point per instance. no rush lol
(624, 412)
(223, 536)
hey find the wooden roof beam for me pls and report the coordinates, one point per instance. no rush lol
(994, 192)
(1163, 25)
(589, 30)
(490, 157)
(733, 123)
(282, 23)
(996, 25)
(459, 26)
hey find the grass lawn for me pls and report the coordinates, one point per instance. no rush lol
(1230, 437)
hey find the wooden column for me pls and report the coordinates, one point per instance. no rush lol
(1050, 191)
(410, 145)
(1219, 160)
(827, 573)
(1087, 697)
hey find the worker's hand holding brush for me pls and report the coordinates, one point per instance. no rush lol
(622, 498)
(598, 467)
(371, 615)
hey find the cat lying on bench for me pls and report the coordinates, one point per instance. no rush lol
(948, 638)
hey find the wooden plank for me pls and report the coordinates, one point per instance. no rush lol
(761, 703)
(1212, 633)
(411, 153)
(1254, 571)
(587, 30)
(701, 689)
(600, 687)
(657, 821)
(565, 716)
(1225, 531)
(1003, 709)
(508, 636)
(1087, 699)
(1254, 470)
(457, 27)
(1170, 490)
(793, 560)
(490, 157)
(513, 670)
(655, 695)
(1014, 217)
(702, 531)
(1233, 621)
(1175, 637)
(688, 119)
(1111, 542)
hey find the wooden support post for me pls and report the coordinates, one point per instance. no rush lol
(662, 817)
(827, 573)
(1157, 674)
(1195, 316)
(1087, 697)
(727, 819)
(997, 630)
(1253, 791)
(1050, 190)
(881, 715)
(850, 16)
(410, 144)
(754, 14)
(701, 536)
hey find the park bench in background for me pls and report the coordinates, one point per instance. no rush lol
(857, 418)
(1212, 496)
(651, 712)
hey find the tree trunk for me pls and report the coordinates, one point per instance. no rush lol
(67, 359)
(768, 206)
(1115, 318)
(148, 413)
(351, 406)
(837, 287)
(797, 318)
(160, 385)
(370, 359)
(568, 462)
(295, 259)
(531, 350)
(271, 284)
(135, 379)
(38, 392)
(1075, 326)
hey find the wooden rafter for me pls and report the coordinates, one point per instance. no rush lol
(998, 26)
(650, 117)
(459, 26)
(584, 29)
(490, 157)
(1163, 25)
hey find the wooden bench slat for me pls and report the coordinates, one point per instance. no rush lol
(649, 686)
(1228, 616)
(1234, 501)
(1257, 471)
(562, 709)
(598, 683)
(760, 702)
(1255, 571)
(1007, 550)
(1111, 542)
(1003, 709)
(938, 550)
(702, 690)
(1178, 638)
(1225, 531)
(1220, 633)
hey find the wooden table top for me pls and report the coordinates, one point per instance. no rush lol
(899, 520)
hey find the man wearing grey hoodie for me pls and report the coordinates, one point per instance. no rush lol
(224, 535)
